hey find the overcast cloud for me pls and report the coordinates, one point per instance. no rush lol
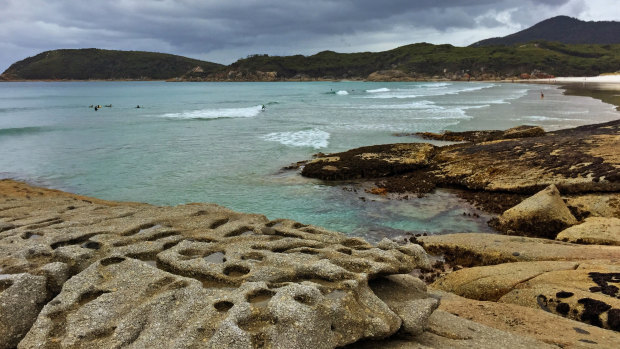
(224, 31)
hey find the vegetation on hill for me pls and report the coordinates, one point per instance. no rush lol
(416, 61)
(562, 29)
(84, 64)
(427, 60)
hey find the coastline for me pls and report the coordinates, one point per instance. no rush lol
(243, 278)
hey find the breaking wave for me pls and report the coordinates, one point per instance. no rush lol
(314, 138)
(218, 113)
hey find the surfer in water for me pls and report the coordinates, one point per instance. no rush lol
(263, 108)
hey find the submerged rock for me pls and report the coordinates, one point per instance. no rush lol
(543, 214)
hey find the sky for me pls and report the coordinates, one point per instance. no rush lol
(224, 31)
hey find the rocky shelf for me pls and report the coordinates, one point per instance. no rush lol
(79, 272)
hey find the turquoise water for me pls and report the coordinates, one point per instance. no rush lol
(212, 142)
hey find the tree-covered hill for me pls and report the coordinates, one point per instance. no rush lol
(562, 29)
(416, 61)
(84, 64)
(427, 60)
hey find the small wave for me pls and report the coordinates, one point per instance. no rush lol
(547, 118)
(342, 93)
(314, 138)
(248, 112)
(20, 130)
(378, 90)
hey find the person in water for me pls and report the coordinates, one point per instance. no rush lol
(138, 106)
(264, 107)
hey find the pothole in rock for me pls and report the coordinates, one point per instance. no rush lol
(216, 257)
(31, 236)
(260, 298)
(236, 270)
(223, 306)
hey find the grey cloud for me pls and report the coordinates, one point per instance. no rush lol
(197, 27)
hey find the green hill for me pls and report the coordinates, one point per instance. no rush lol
(445, 61)
(84, 64)
(563, 29)
(416, 61)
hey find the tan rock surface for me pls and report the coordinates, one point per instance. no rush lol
(585, 292)
(595, 230)
(490, 283)
(472, 249)
(535, 323)
(596, 205)
(447, 331)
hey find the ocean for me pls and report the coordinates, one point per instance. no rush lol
(214, 142)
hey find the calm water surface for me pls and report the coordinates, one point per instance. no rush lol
(212, 142)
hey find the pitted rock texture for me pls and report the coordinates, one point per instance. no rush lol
(193, 275)
(582, 291)
(579, 160)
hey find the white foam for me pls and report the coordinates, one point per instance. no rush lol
(342, 93)
(379, 90)
(216, 113)
(314, 138)
(548, 118)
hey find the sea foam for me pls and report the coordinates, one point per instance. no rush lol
(248, 112)
(314, 138)
(342, 93)
(378, 90)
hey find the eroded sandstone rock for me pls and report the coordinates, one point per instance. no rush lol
(195, 275)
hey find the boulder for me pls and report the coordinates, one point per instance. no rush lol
(544, 215)
(523, 132)
(594, 230)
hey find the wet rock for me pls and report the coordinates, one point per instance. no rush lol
(543, 215)
(21, 298)
(594, 230)
(523, 132)
(485, 136)
(370, 162)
